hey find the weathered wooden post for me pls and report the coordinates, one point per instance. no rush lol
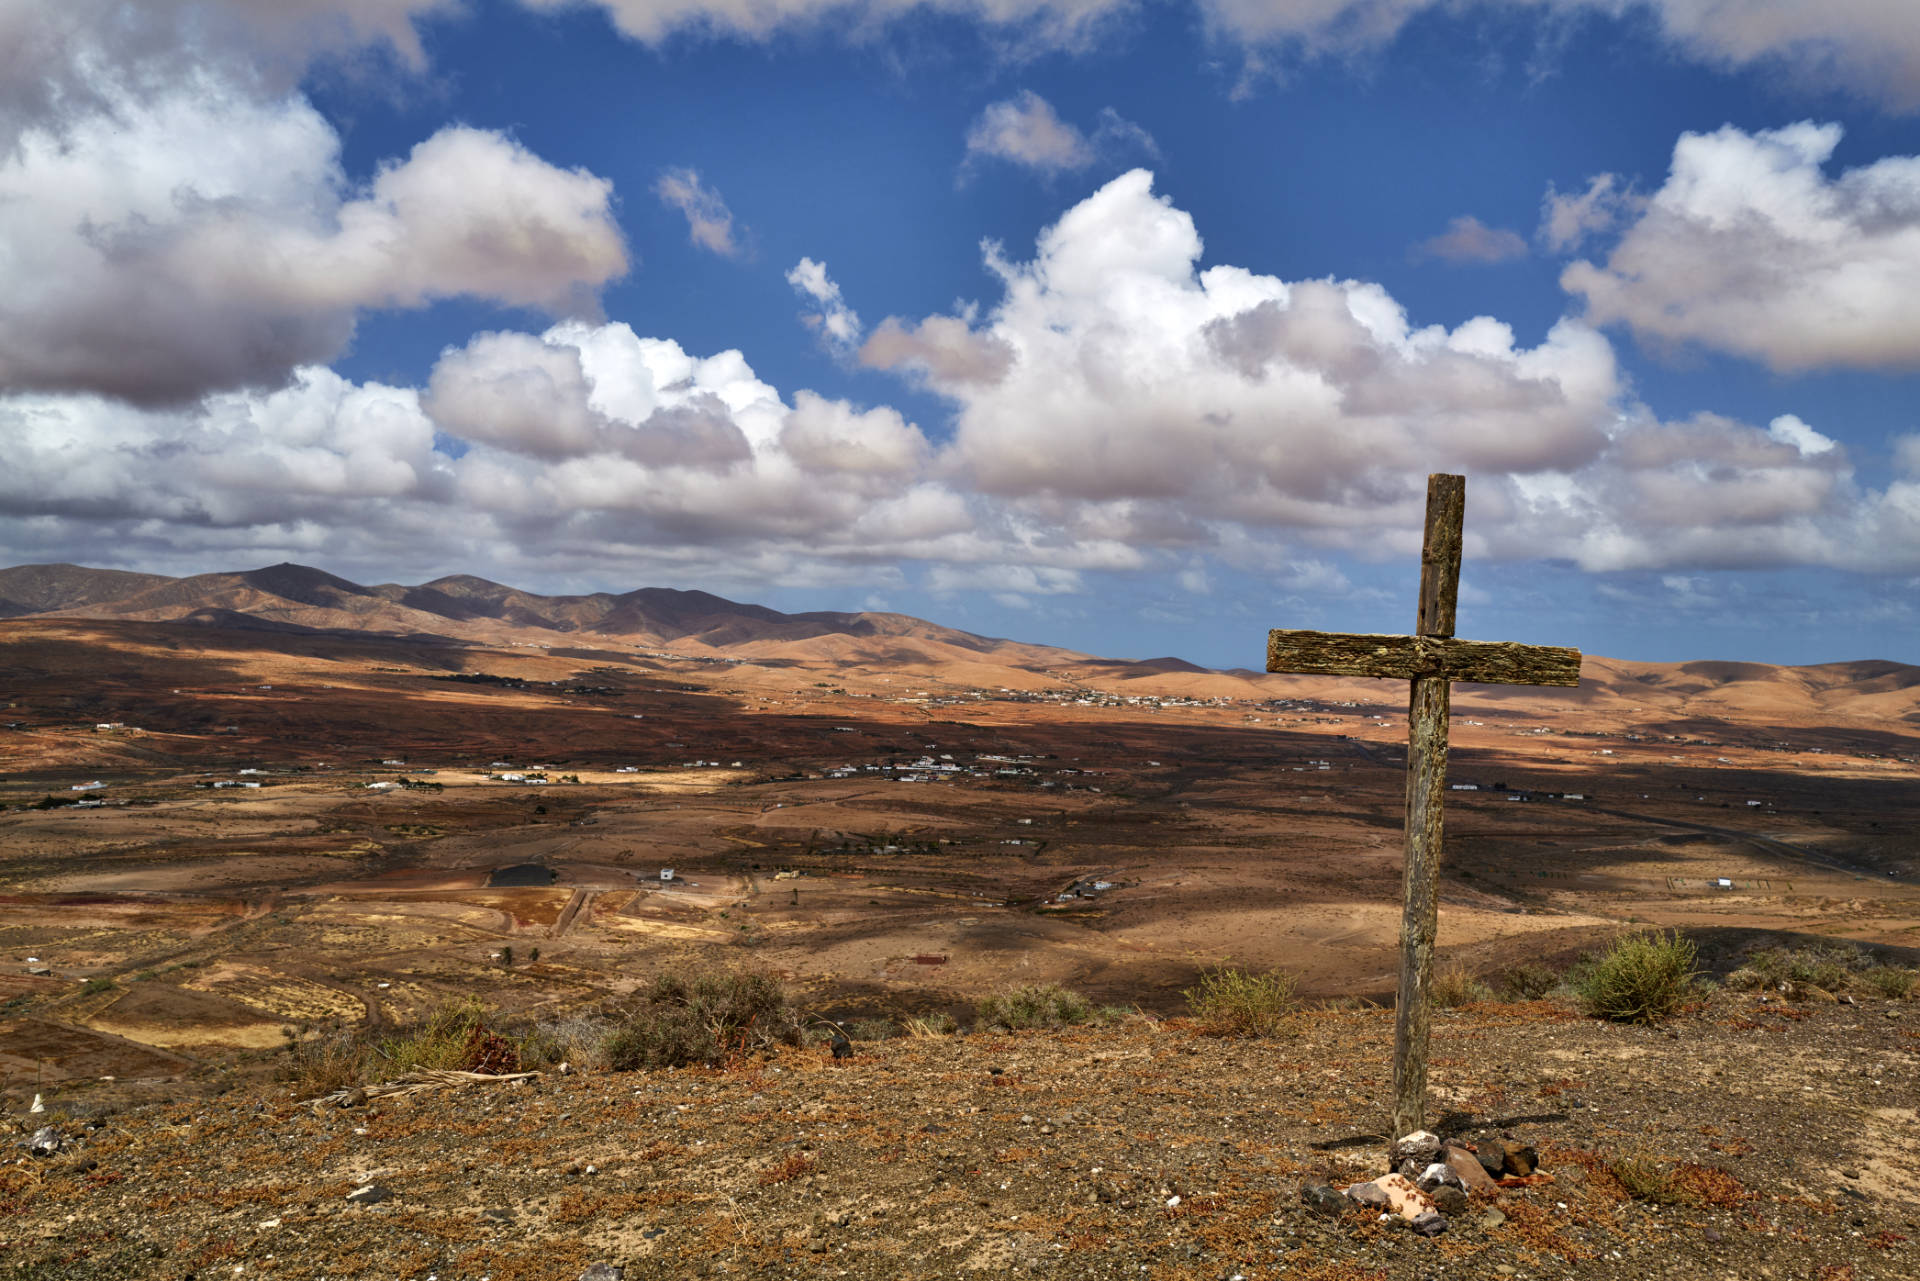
(1431, 659)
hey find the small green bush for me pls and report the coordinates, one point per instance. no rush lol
(1642, 978)
(714, 1018)
(1528, 981)
(1890, 981)
(873, 1030)
(453, 1037)
(1045, 1005)
(1230, 1002)
(1831, 967)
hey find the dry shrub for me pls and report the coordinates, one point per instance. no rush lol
(578, 1040)
(1230, 1002)
(1034, 1005)
(1644, 1178)
(793, 1167)
(1890, 981)
(1831, 967)
(1528, 981)
(932, 1025)
(711, 1020)
(1708, 1185)
(1642, 978)
(333, 1057)
(1455, 985)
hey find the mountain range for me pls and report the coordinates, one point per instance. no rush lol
(461, 607)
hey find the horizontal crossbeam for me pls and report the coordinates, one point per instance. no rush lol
(1405, 657)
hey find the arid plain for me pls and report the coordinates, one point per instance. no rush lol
(246, 803)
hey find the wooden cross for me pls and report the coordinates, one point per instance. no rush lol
(1431, 659)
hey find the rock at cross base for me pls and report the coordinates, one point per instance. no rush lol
(1394, 1193)
(1473, 1175)
(1449, 1200)
(1439, 1175)
(1420, 1146)
(1518, 1159)
(604, 1272)
(1371, 1195)
(1430, 1224)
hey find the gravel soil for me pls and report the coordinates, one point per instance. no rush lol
(1747, 1139)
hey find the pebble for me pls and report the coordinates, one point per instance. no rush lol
(1323, 1198)
(46, 1141)
(368, 1194)
(603, 1272)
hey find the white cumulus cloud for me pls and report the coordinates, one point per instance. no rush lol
(1751, 248)
(202, 237)
(1150, 405)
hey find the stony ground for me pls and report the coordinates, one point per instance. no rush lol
(1765, 1139)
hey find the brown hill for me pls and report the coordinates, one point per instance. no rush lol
(37, 589)
(462, 607)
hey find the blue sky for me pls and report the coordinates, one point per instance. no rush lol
(1128, 327)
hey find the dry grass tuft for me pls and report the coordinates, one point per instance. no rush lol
(1035, 1005)
(1454, 985)
(1230, 1002)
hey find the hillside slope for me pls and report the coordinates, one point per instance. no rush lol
(1777, 1147)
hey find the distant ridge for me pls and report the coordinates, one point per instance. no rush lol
(465, 607)
(462, 608)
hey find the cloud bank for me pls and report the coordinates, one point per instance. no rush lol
(1119, 408)
(1866, 47)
